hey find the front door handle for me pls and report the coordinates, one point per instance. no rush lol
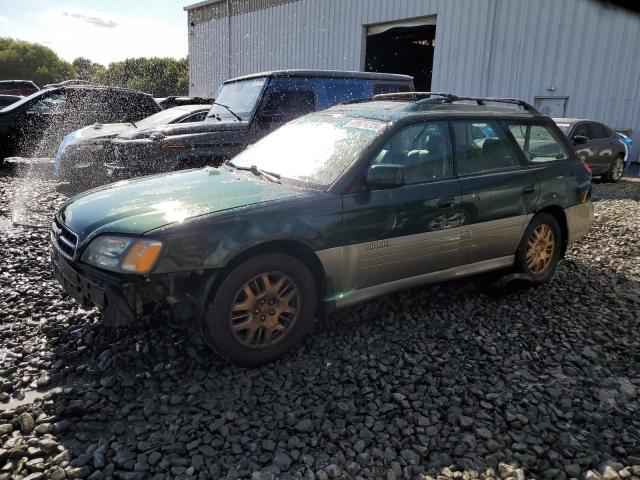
(446, 204)
(567, 175)
(529, 189)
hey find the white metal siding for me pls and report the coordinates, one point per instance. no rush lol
(519, 48)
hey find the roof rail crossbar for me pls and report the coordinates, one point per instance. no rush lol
(407, 96)
(512, 101)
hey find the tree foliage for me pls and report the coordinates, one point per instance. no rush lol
(20, 60)
(160, 77)
(86, 69)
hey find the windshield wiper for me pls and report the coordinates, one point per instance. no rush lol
(274, 177)
(229, 110)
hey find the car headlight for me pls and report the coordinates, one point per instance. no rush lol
(122, 254)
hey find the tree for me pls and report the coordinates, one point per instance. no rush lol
(85, 68)
(160, 77)
(20, 60)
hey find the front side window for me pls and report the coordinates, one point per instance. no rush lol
(288, 99)
(582, 131)
(50, 104)
(538, 143)
(423, 150)
(241, 97)
(481, 146)
(313, 149)
(596, 131)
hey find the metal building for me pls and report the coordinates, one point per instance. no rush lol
(573, 58)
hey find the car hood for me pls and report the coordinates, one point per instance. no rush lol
(205, 126)
(137, 206)
(101, 131)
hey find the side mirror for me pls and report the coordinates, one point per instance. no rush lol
(385, 176)
(578, 139)
(269, 116)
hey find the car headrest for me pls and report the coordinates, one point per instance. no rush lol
(494, 146)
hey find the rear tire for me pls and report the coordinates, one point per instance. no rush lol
(615, 172)
(539, 250)
(262, 310)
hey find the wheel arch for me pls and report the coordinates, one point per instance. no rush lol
(561, 217)
(294, 248)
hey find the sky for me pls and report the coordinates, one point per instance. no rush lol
(102, 30)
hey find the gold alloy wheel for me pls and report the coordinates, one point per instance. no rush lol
(264, 310)
(540, 249)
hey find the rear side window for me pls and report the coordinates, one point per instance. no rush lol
(596, 131)
(481, 146)
(538, 143)
(332, 91)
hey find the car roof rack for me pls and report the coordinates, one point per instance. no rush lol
(408, 96)
(423, 99)
(511, 101)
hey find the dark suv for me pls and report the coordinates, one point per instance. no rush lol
(595, 143)
(334, 208)
(35, 125)
(20, 88)
(245, 110)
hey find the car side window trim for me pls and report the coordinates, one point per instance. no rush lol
(446, 127)
(520, 150)
(513, 146)
(357, 172)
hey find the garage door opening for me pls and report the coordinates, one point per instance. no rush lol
(403, 47)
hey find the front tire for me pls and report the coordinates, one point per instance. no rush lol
(262, 310)
(615, 172)
(539, 249)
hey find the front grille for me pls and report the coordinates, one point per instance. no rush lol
(63, 239)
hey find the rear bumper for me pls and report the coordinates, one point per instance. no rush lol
(579, 220)
(126, 299)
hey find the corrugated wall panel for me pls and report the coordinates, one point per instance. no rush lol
(515, 48)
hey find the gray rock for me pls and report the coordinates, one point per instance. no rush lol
(305, 425)
(27, 424)
(282, 460)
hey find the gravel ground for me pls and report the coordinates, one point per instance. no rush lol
(444, 381)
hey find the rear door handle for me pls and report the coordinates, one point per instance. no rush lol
(529, 189)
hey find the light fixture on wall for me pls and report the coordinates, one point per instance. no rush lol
(552, 88)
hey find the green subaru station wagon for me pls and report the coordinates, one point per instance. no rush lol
(334, 208)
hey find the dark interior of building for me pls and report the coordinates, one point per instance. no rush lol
(407, 50)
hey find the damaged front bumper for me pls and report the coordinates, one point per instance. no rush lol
(125, 299)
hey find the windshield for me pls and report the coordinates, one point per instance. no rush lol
(314, 149)
(241, 97)
(163, 117)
